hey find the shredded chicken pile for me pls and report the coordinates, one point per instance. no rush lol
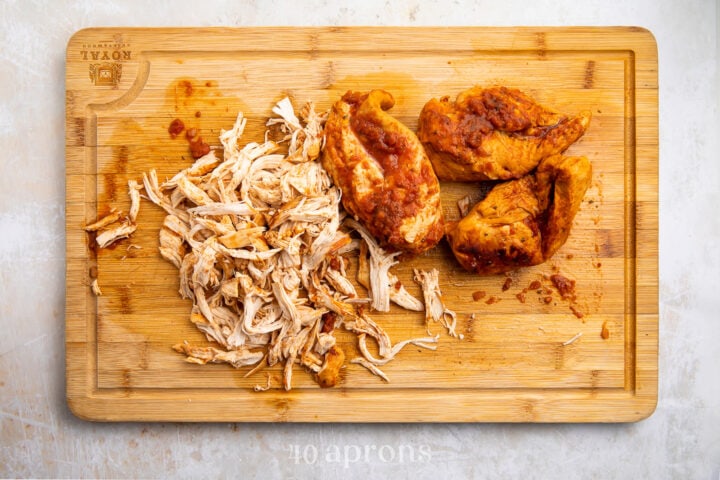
(257, 240)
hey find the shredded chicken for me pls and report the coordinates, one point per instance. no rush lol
(203, 355)
(257, 241)
(114, 226)
(376, 277)
(134, 192)
(572, 340)
(435, 309)
(95, 288)
(103, 222)
(110, 235)
(396, 290)
(263, 388)
(371, 367)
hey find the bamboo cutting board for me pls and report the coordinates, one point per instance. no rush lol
(527, 354)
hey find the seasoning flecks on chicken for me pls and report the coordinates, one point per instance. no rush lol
(522, 222)
(386, 179)
(494, 133)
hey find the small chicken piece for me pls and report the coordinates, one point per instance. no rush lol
(340, 283)
(242, 238)
(522, 222)
(386, 179)
(464, 205)
(155, 195)
(203, 165)
(397, 292)
(307, 140)
(330, 371)
(235, 208)
(95, 287)
(435, 308)
(380, 264)
(263, 388)
(325, 341)
(364, 326)
(171, 247)
(192, 192)
(109, 236)
(104, 221)
(134, 193)
(172, 235)
(202, 355)
(371, 367)
(494, 133)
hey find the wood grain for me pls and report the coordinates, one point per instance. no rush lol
(124, 87)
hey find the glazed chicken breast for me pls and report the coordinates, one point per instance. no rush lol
(385, 176)
(522, 222)
(495, 133)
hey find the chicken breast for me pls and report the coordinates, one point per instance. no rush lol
(387, 180)
(522, 222)
(495, 133)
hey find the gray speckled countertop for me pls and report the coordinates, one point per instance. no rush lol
(39, 437)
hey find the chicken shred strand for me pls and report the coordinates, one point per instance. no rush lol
(435, 309)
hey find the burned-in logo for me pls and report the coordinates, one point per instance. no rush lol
(111, 54)
(106, 74)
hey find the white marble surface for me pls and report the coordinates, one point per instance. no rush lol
(39, 437)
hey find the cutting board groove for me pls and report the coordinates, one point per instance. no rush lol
(125, 85)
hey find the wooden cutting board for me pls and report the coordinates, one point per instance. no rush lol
(528, 359)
